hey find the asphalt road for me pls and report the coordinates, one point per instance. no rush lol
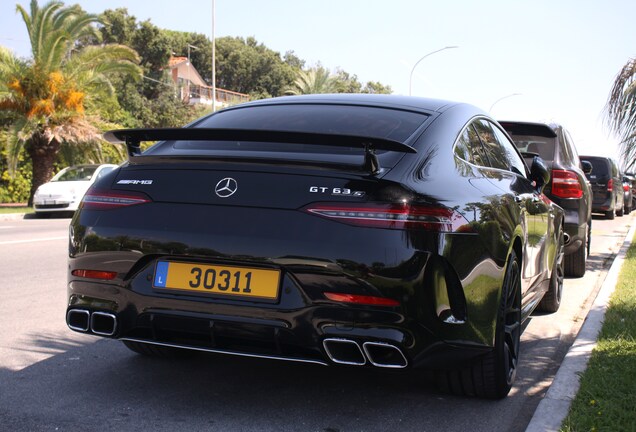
(53, 379)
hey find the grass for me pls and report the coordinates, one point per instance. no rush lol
(606, 400)
(11, 210)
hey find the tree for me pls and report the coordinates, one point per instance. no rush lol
(343, 82)
(200, 50)
(245, 66)
(48, 95)
(621, 111)
(376, 88)
(153, 102)
(313, 81)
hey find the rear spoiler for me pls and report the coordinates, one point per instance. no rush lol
(133, 138)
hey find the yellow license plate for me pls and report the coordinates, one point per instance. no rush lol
(216, 279)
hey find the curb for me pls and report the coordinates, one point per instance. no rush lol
(554, 407)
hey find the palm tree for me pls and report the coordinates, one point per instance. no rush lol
(48, 96)
(621, 111)
(313, 81)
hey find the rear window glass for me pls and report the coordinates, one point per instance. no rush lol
(372, 122)
(543, 146)
(600, 167)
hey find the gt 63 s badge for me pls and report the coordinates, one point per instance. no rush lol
(335, 191)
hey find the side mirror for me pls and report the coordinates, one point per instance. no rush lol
(587, 167)
(539, 173)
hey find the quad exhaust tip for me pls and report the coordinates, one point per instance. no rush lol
(378, 354)
(384, 355)
(99, 323)
(103, 324)
(344, 351)
(78, 319)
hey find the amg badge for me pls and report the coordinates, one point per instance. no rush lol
(135, 182)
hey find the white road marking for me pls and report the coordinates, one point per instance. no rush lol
(32, 240)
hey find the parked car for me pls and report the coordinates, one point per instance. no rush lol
(632, 180)
(569, 187)
(66, 189)
(362, 230)
(628, 193)
(607, 186)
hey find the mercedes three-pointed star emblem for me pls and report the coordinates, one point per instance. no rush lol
(226, 187)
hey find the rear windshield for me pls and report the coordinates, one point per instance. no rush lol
(543, 146)
(600, 167)
(372, 122)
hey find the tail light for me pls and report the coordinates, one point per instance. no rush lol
(361, 299)
(610, 185)
(626, 188)
(393, 216)
(96, 199)
(95, 274)
(565, 184)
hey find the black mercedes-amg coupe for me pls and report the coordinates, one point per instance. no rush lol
(362, 230)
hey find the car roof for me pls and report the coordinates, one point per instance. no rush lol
(530, 128)
(377, 100)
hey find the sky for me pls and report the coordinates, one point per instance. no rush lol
(531, 60)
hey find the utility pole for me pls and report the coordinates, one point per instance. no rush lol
(213, 59)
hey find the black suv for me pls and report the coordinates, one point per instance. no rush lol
(607, 186)
(568, 186)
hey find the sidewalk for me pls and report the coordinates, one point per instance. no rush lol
(554, 407)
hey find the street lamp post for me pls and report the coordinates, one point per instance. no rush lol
(502, 98)
(418, 62)
(213, 57)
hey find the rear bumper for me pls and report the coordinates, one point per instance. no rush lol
(324, 334)
(448, 297)
(575, 230)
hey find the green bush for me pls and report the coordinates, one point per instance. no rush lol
(16, 189)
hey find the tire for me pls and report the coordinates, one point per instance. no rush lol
(157, 351)
(589, 238)
(609, 214)
(575, 262)
(551, 301)
(620, 212)
(492, 375)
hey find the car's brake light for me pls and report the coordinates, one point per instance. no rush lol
(361, 299)
(565, 184)
(95, 274)
(393, 216)
(610, 185)
(105, 200)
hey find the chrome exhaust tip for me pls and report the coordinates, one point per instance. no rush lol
(344, 351)
(384, 355)
(566, 238)
(78, 319)
(103, 323)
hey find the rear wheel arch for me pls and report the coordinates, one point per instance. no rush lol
(493, 374)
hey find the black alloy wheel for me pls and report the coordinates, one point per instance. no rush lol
(551, 301)
(511, 302)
